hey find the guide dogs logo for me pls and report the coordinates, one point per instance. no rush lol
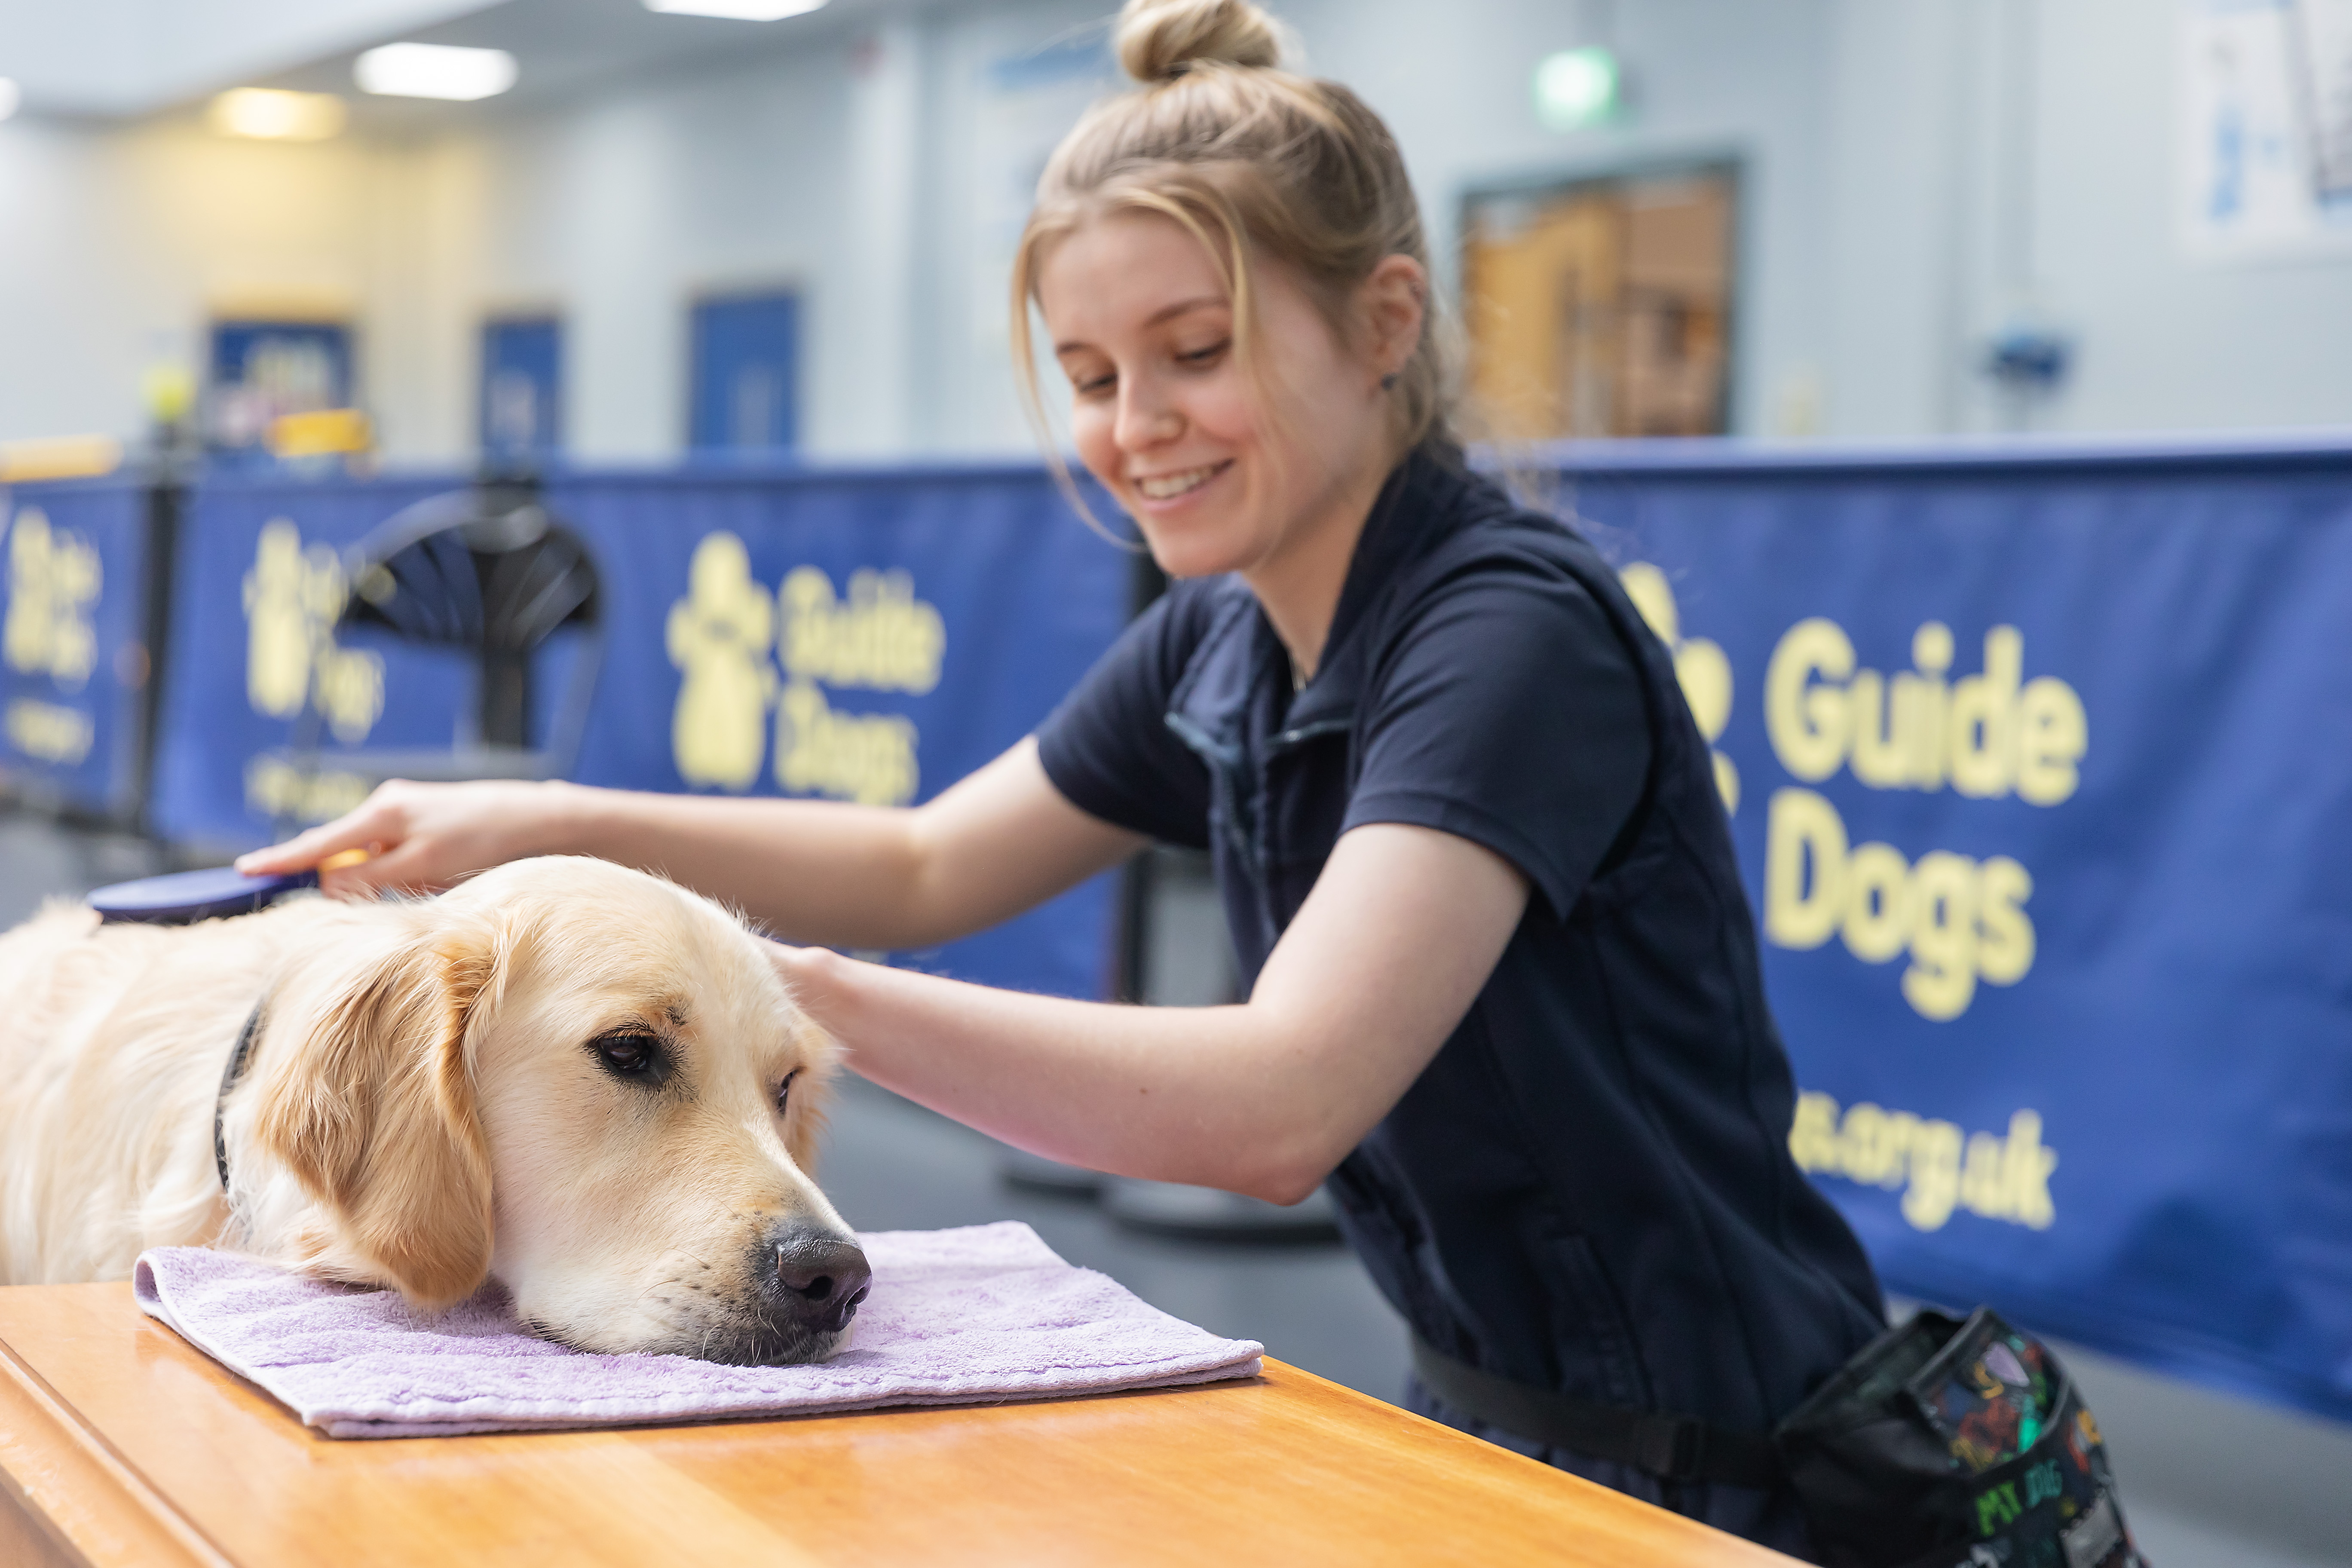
(1988, 735)
(879, 636)
(1700, 667)
(720, 635)
(54, 578)
(292, 597)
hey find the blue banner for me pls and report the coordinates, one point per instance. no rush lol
(867, 636)
(73, 655)
(2038, 772)
(258, 584)
(2036, 759)
(860, 636)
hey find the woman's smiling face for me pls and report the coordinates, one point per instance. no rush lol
(1171, 422)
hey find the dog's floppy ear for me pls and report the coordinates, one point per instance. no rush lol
(811, 1098)
(375, 1117)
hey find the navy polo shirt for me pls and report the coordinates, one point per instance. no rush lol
(1589, 1188)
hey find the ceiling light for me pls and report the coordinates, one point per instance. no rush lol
(434, 70)
(1576, 87)
(9, 98)
(269, 115)
(738, 10)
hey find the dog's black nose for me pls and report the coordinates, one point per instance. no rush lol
(824, 1277)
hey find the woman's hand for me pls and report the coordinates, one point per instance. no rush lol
(421, 837)
(811, 975)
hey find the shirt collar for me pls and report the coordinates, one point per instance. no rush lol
(1242, 666)
(1419, 507)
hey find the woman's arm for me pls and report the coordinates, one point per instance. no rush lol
(989, 846)
(1403, 928)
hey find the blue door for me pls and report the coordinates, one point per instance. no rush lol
(522, 386)
(746, 374)
(262, 370)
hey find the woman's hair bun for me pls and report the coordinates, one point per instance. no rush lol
(1158, 40)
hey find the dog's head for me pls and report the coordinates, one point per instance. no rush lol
(588, 1082)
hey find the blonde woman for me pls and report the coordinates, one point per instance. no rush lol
(1504, 993)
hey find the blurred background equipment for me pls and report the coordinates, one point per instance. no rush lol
(58, 457)
(486, 574)
(266, 370)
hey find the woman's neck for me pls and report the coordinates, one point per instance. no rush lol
(1299, 586)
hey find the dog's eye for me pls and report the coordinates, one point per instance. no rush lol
(784, 1091)
(630, 1053)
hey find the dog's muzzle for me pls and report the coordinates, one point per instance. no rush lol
(806, 1285)
(820, 1276)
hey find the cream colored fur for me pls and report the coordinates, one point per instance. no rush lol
(425, 1107)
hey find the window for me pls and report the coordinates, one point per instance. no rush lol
(1602, 308)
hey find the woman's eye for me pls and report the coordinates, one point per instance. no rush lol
(784, 1091)
(631, 1056)
(1205, 355)
(1096, 385)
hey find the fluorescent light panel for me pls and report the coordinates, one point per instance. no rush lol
(434, 70)
(266, 114)
(735, 10)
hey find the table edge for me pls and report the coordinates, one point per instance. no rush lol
(62, 1443)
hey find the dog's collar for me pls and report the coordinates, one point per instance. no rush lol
(236, 1060)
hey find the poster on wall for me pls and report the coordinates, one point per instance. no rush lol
(522, 398)
(2266, 149)
(2324, 37)
(264, 370)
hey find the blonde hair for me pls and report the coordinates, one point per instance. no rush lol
(1254, 163)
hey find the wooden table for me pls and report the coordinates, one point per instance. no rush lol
(120, 1445)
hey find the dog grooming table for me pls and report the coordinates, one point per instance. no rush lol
(119, 1445)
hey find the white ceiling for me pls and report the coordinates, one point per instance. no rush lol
(123, 58)
(131, 57)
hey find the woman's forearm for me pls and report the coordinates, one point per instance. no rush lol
(987, 847)
(994, 843)
(1209, 1096)
(816, 872)
(1375, 971)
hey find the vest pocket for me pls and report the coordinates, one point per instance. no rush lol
(1593, 1339)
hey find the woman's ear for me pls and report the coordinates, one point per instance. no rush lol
(1393, 305)
(374, 1114)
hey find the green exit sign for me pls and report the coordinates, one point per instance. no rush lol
(1577, 88)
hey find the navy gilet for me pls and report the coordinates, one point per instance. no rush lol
(1589, 1188)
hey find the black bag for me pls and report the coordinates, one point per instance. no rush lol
(1945, 1444)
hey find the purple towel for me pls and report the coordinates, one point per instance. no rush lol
(979, 1315)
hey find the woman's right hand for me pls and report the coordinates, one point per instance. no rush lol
(421, 837)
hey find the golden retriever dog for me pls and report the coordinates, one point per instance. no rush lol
(577, 1079)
